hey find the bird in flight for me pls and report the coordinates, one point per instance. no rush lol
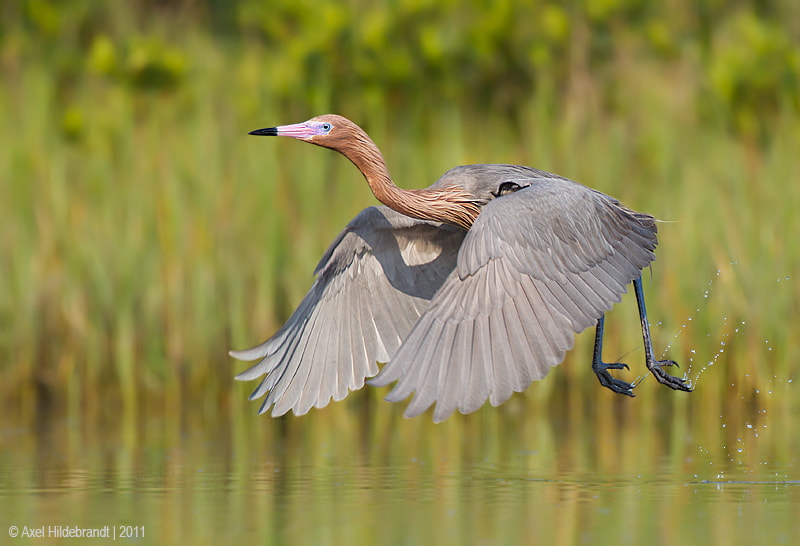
(468, 290)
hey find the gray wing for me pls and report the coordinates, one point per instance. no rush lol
(371, 286)
(537, 266)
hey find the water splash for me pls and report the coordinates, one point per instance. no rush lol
(745, 423)
(727, 334)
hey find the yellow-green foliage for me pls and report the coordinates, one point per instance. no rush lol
(144, 234)
(755, 71)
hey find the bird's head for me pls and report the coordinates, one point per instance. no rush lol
(329, 131)
(337, 133)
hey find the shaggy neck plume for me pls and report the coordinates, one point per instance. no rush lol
(450, 205)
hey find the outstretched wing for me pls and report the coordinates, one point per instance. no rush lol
(371, 286)
(537, 266)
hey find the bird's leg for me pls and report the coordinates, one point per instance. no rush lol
(600, 368)
(655, 366)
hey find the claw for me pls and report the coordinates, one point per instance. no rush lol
(656, 366)
(608, 381)
(667, 363)
(600, 368)
(675, 383)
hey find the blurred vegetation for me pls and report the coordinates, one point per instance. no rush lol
(143, 234)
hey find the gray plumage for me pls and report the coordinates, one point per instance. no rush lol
(460, 317)
(371, 287)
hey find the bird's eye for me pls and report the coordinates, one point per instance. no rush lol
(506, 188)
(326, 127)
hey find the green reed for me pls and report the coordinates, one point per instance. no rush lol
(144, 234)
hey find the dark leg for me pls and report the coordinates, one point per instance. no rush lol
(655, 366)
(600, 368)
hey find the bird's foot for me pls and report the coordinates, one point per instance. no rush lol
(675, 383)
(617, 385)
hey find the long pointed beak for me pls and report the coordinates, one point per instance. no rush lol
(303, 131)
(270, 131)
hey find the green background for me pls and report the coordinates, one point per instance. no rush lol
(144, 234)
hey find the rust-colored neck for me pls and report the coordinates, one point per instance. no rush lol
(451, 205)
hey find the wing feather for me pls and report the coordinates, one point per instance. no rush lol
(372, 285)
(457, 375)
(537, 267)
(312, 390)
(298, 369)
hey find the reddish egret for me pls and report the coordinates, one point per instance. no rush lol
(469, 289)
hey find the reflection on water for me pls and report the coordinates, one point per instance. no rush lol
(552, 475)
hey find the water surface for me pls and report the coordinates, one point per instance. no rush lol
(501, 476)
